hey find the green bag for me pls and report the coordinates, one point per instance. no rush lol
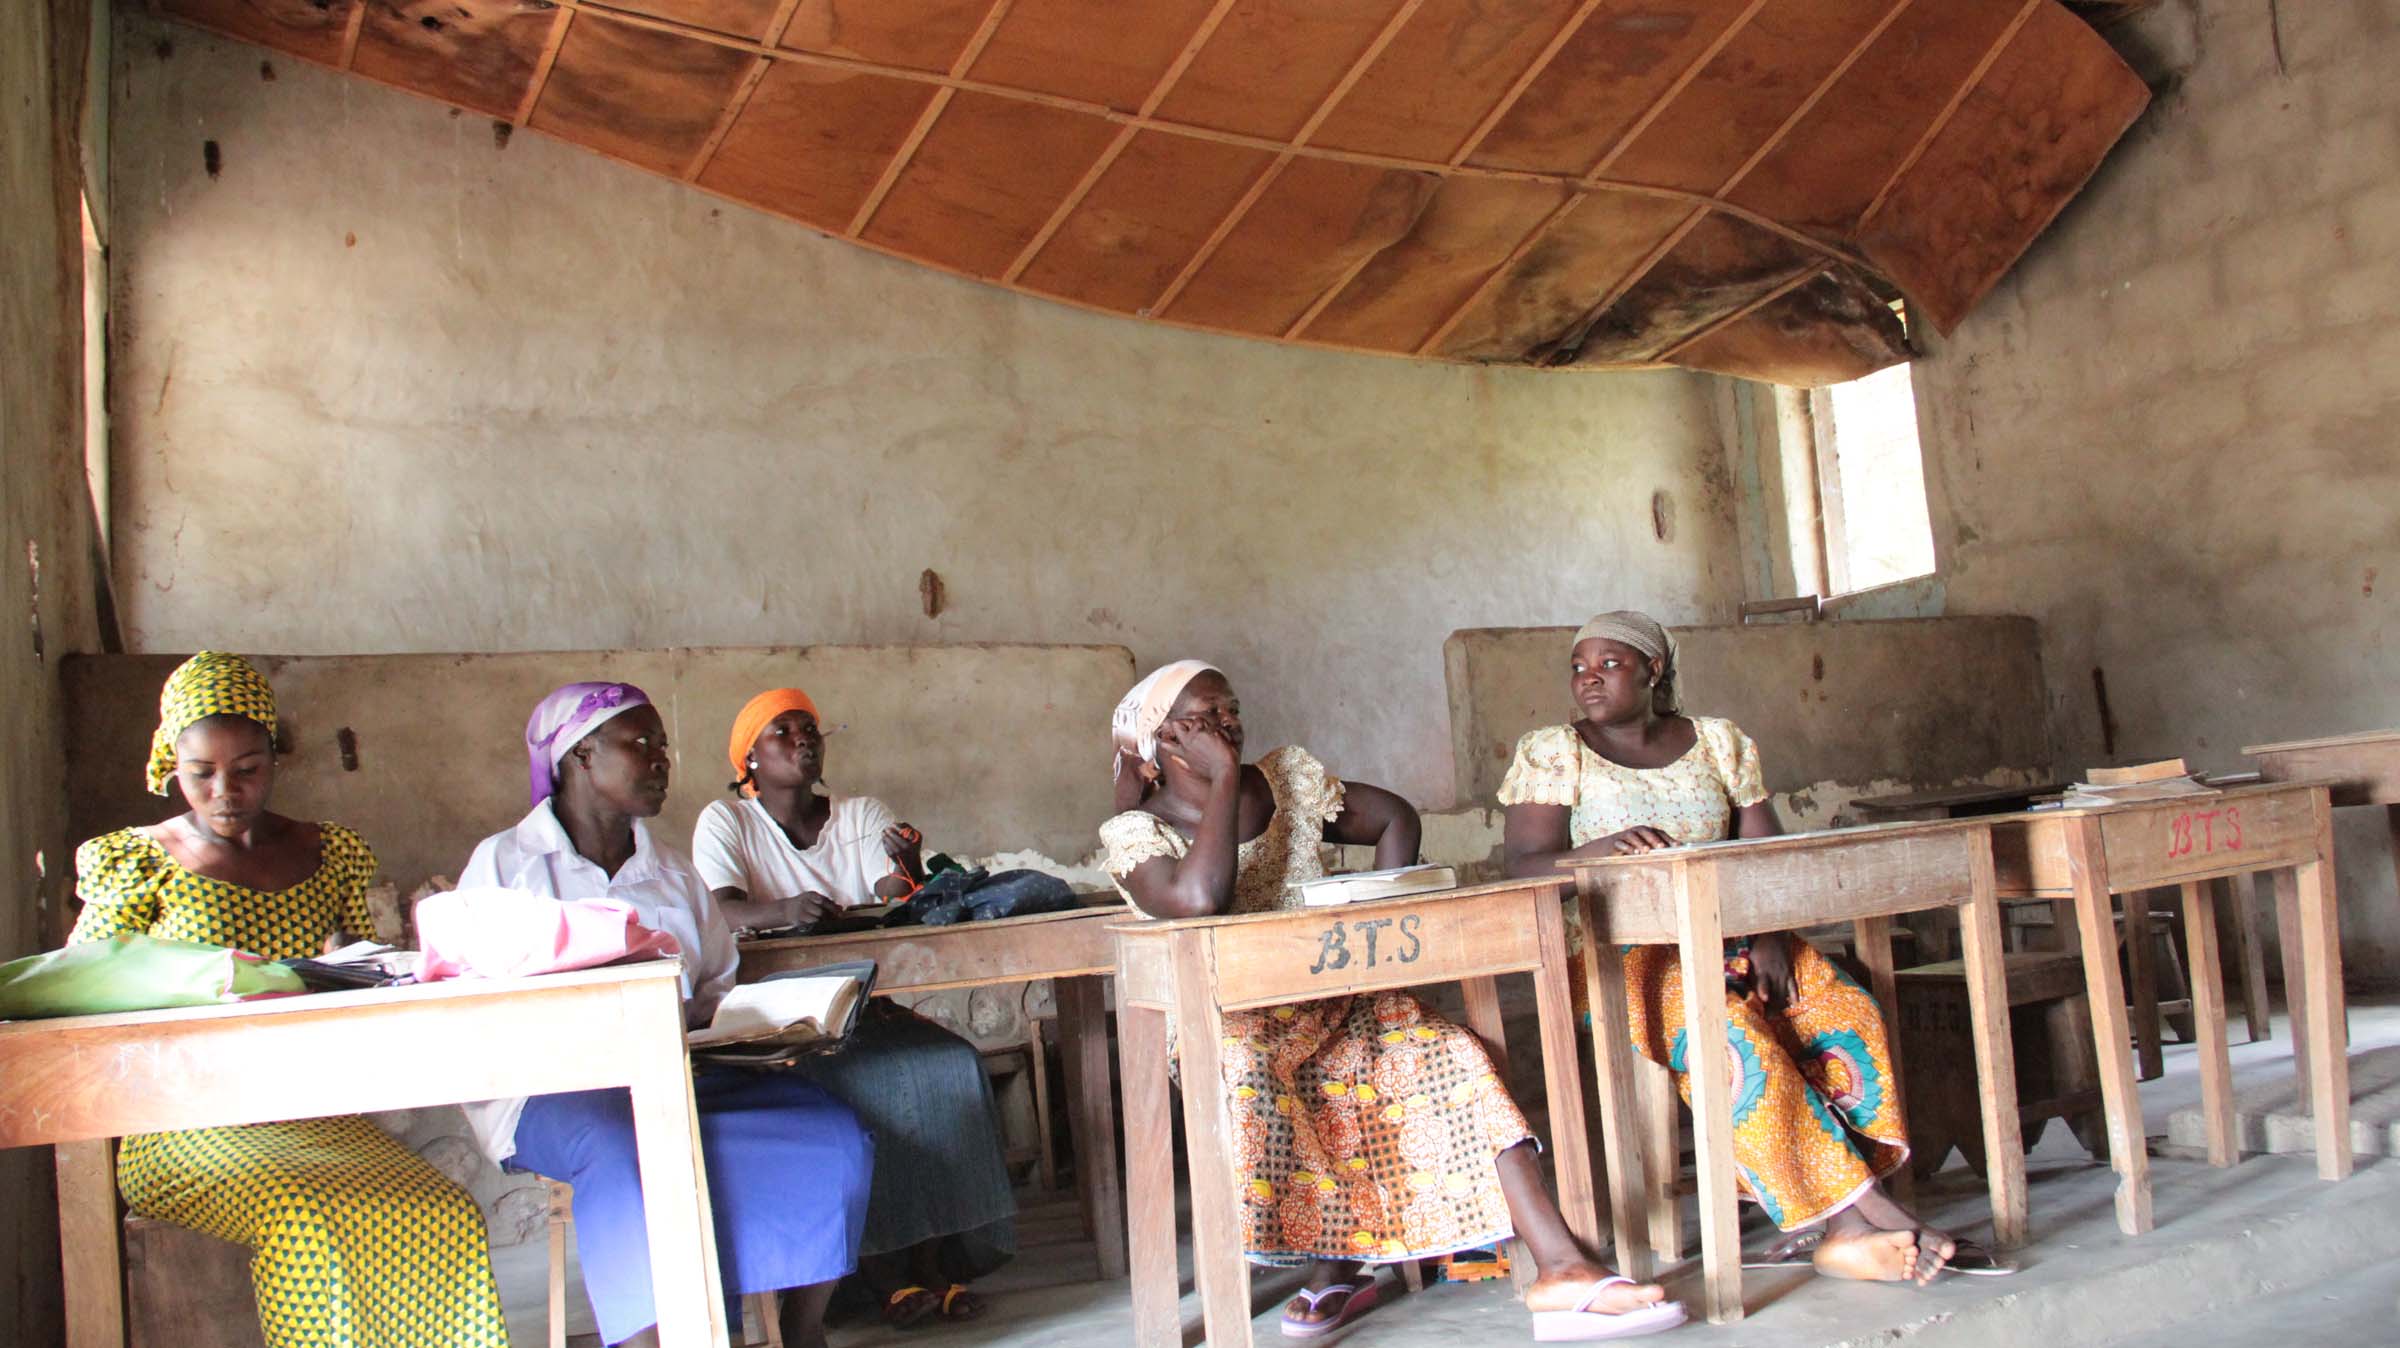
(134, 972)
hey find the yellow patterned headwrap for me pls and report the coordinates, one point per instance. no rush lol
(209, 684)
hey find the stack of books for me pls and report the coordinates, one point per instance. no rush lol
(2166, 778)
(1398, 882)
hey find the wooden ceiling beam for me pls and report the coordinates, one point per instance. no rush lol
(1941, 120)
(1125, 134)
(1267, 176)
(351, 29)
(925, 120)
(776, 26)
(542, 66)
(1715, 325)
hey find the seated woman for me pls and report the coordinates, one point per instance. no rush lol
(787, 854)
(787, 1163)
(1445, 1162)
(357, 1242)
(1823, 1126)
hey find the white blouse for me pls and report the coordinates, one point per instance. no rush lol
(738, 845)
(658, 882)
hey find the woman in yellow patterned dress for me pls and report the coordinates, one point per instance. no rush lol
(356, 1242)
(1369, 1129)
(1817, 1119)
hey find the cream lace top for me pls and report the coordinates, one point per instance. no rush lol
(1691, 799)
(1307, 798)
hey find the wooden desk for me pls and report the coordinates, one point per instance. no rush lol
(1694, 898)
(1071, 948)
(2083, 856)
(77, 1081)
(1198, 969)
(1954, 802)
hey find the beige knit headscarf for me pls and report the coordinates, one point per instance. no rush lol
(1643, 633)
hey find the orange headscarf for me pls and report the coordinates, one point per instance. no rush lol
(753, 718)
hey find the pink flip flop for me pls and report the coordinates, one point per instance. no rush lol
(1585, 1325)
(1364, 1292)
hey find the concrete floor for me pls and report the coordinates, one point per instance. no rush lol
(2263, 1253)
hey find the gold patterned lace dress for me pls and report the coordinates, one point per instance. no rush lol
(1816, 1112)
(1366, 1126)
(356, 1241)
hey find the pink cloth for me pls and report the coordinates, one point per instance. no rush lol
(508, 933)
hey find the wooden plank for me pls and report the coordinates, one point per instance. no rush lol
(923, 35)
(1208, 1145)
(563, 18)
(675, 1203)
(2141, 972)
(1701, 938)
(1986, 966)
(474, 54)
(2364, 769)
(2295, 977)
(1316, 224)
(1941, 120)
(1448, 73)
(1101, 51)
(2250, 956)
(852, 122)
(1045, 1152)
(1570, 1143)
(1872, 937)
(2121, 1099)
(2208, 1023)
(90, 1255)
(1150, 1176)
(1091, 1110)
(648, 97)
(2159, 844)
(1482, 996)
(1277, 68)
(1662, 1146)
(901, 158)
(1620, 1118)
(558, 1198)
(2321, 952)
(1795, 881)
(2389, 739)
(1072, 944)
(1002, 163)
(1332, 952)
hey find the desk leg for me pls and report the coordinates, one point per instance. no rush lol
(2251, 955)
(2120, 1097)
(666, 1136)
(91, 1244)
(1995, 1052)
(1873, 937)
(1482, 997)
(2295, 973)
(2141, 961)
(1150, 1176)
(1570, 1145)
(1208, 1140)
(1092, 1116)
(1620, 1119)
(1701, 937)
(2208, 1020)
(1662, 1148)
(2321, 949)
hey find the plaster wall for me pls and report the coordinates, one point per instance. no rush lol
(386, 386)
(2168, 435)
(439, 739)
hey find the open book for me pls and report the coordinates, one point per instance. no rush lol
(805, 1008)
(1391, 884)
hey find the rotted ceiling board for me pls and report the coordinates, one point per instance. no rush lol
(1720, 267)
(1831, 329)
(812, 142)
(2020, 146)
(919, 34)
(1272, 62)
(1314, 223)
(1442, 75)
(1578, 262)
(303, 28)
(478, 54)
(1739, 101)
(986, 177)
(1842, 153)
(1469, 228)
(746, 19)
(644, 96)
(1102, 51)
(1145, 217)
(1625, 57)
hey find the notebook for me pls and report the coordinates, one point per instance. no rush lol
(1364, 885)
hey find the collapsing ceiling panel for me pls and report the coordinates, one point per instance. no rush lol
(1741, 186)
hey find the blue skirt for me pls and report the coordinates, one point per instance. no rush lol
(788, 1172)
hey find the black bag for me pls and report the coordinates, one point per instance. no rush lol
(979, 896)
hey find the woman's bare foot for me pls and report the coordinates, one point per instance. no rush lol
(1566, 1287)
(1873, 1255)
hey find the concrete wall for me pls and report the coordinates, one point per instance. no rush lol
(2169, 435)
(45, 514)
(441, 757)
(384, 387)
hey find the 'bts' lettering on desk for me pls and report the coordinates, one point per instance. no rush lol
(2205, 831)
(1365, 941)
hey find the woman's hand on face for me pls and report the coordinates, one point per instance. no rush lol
(1202, 747)
(1639, 838)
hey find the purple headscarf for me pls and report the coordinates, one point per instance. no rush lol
(562, 719)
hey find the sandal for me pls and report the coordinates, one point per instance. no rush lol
(1975, 1261)
(909, 1307)
(1585, 1325)
(1362, 1292)
(1792, 1251)
(950, 1298)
